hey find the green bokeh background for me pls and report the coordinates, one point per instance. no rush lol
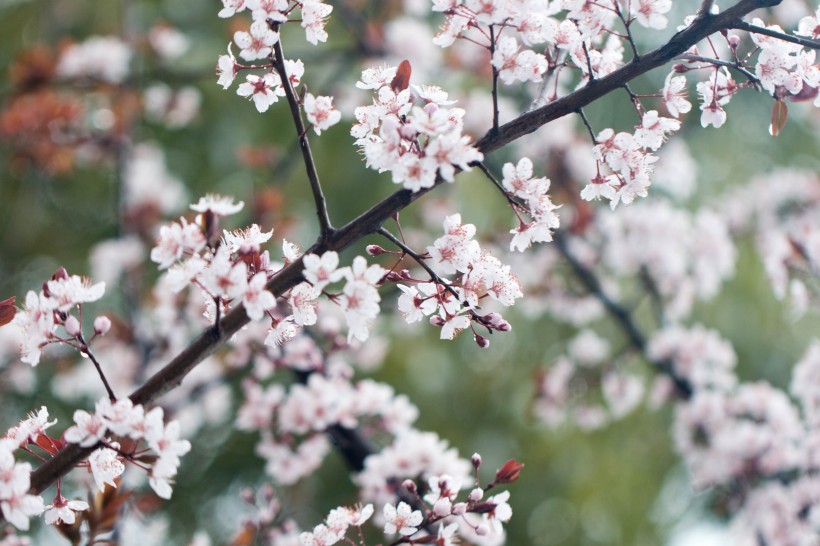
(620, 485)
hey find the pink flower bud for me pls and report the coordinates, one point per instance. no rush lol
(476, 459)
(476, 494)
(459, 508)
(436, 320)
(410, 485)
(481, 341)
(72, 326)
(481, 530)
(443, 507)
(734, 40)
(101, 325)
(375, 250)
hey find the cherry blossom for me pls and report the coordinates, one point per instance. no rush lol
(226, 69)
(314, 15)
(401, 519)
(321, 113)
(264, 90)
(674, 95)
(258, 43)
(62, 510)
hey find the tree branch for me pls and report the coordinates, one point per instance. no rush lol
(325, 226)
(620, 314)
(370, 221)
(748, 27)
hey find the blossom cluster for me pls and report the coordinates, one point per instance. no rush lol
(417, 142)
(628, 158)
(123, 420)
(482, 276)
(51, 308)
(258, 43)
(437, 517)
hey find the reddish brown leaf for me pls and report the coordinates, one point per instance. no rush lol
(780, 113)
(509, 472)
(402, 79)
(7, 311)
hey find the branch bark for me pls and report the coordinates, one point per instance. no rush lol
(371, 220)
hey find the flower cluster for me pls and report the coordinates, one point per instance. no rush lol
(474, 519)
(51, 308)
(258, 43)
(453, 305)
(628, 159)
(124, 420)
(417, 143)
(519, 183)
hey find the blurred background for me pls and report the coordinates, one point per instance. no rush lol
(83, 161)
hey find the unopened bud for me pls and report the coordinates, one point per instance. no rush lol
(72, 326)
(481, 530)
(734, 41)
(375, 250)
(459, 508)
(409, 485)
(476, 460)
(101, 325)
(481, 341)
(443, 507)
(392, 276)
(680, 69)
(436, 320)
(476, 494)
(504, 326)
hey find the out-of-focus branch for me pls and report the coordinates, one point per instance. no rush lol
(371, 220)
(620, 314)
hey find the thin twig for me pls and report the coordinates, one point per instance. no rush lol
(419, 260)
(748, 27)
(495, 78)
(718, 62)
(325, 226)
(87, 351)
(587, 125)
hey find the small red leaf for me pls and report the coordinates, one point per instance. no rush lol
(402, 79)
(780, 113)
(7, 311)
(509, 472)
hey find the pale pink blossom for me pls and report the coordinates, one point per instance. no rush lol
(322, 270)
(258, 43)
(226, 69)
(263, 90)
(674, 95)
(401, 519)
(106, 466)
(321, 113)
(88, 430)
(62, 510)
(257, 299)
(314, 15)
